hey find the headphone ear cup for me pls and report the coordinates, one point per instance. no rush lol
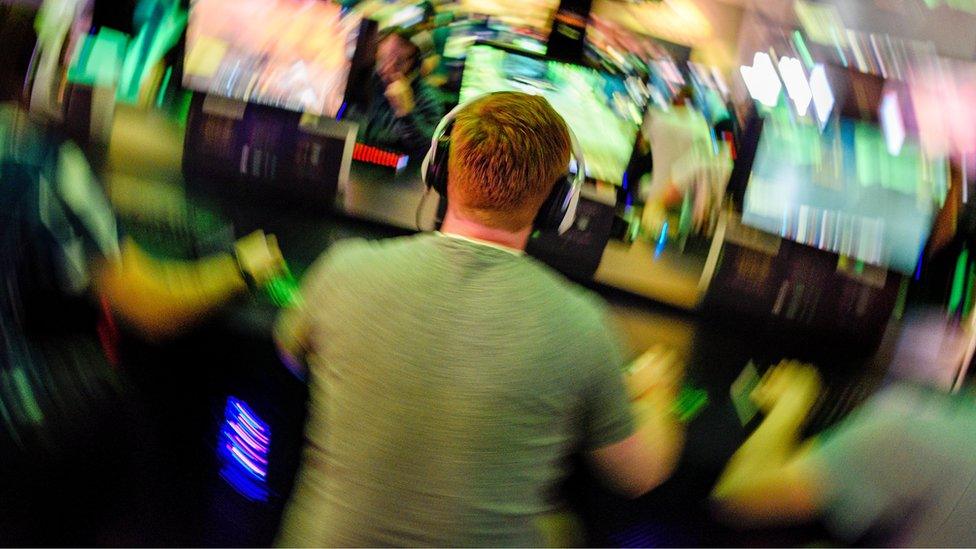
(555, 208)
(437, 170)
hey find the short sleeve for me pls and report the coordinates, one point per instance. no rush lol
(316, 284)
(319, 278)
(607, 416)
(862, 466)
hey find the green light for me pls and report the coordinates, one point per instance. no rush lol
(899, 310)
(962, 5)
(162, 88)
(801, 48)
(28, 400)
(154, 38)
(99, 60)
(690, 403)
(687, 216)
(284, 290)
(837, 45)
(967, 302)
(634, 230)
(958, 280)
(184, 111)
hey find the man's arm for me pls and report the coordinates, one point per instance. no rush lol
(160, 298)
(642, 461)
(293, 329)
(157, 297)
(768, 481)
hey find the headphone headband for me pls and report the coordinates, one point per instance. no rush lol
(565, 193)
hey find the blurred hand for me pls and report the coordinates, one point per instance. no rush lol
(400, 95)
(788, 382)
(259, 256)
(654, 373)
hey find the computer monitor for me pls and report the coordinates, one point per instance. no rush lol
(467, 33)
(840, 189)
(596, 105)
(290, 54)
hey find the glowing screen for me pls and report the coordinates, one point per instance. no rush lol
(597, 106)
(293, 54)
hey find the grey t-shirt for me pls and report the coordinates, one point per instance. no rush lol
(450, 381)
(902, 468)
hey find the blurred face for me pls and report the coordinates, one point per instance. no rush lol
(394, 58)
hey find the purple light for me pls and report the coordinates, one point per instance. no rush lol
(246, 436)
(245, 441)
(251, 467)
(250, 453)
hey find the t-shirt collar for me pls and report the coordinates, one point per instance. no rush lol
(513, 251)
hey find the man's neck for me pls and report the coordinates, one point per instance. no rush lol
(458, 225)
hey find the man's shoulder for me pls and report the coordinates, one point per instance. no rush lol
(361, 253)
(565, 296)
(358, 256)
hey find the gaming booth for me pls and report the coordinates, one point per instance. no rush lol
(806, 262)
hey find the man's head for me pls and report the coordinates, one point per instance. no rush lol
(507, 151)
(397, 56)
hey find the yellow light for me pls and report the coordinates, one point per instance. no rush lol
(679, 21)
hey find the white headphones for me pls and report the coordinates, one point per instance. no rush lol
(558, 212)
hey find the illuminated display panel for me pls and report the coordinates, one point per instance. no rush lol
(841, 190)
(596, 105)
(292, 54)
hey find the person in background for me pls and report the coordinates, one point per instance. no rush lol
(685, 167)
(56, 206)
(898, 471)
(399, 110)
(451, 376)
(65, 277)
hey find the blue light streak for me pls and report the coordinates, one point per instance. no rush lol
(243, 447)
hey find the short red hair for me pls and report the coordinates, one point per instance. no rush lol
(507, 151)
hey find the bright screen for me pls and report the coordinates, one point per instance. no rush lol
(293, 54)
(842, 191)
(595, 105)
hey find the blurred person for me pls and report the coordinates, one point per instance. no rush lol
(898, 471)
(451, 376)
(55, 204)
(685, 166)
(399, 110)
(64, 276)
(69, 234)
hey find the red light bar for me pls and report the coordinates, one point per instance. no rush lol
(380, 157)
